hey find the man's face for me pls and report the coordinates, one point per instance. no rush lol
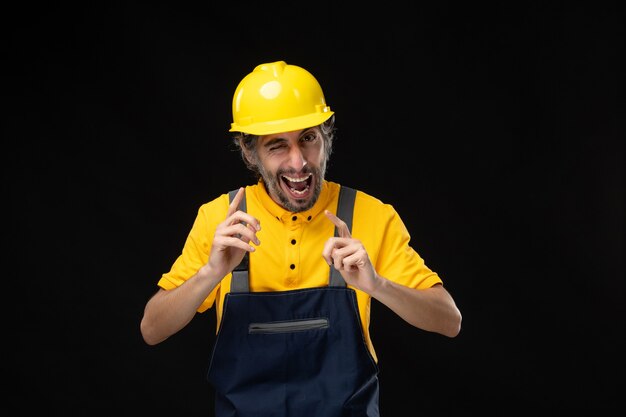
(292, 165)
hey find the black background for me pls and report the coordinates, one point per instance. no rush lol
(497, 132)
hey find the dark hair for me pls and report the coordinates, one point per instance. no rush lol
(246, 141)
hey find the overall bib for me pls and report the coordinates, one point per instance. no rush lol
(296, 353)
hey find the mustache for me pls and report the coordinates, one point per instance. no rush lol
(305, 170)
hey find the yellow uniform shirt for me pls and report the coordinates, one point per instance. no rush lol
(290, 253)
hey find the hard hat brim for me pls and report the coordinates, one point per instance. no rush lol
(285, 125)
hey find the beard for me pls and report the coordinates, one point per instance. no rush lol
(272, 184)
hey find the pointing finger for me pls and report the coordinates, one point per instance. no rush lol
(242, 217)
(342, 227)
(234, 205)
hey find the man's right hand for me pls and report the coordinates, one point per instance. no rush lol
(232, 238)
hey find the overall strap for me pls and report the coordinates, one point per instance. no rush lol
(239, 282)
(345, 210)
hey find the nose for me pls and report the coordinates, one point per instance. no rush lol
(296, 158)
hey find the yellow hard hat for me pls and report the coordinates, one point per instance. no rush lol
(277, 97)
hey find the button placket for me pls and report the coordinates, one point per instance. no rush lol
(293, 251)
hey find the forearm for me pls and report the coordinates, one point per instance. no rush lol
(167, 312)
(431, 309)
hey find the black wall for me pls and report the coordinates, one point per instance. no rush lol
(497, 132)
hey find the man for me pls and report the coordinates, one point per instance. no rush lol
(291, 264)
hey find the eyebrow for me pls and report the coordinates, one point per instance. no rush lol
(277, 139)
(273, 141)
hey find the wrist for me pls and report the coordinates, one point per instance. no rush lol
(208, 274)
(379, 286)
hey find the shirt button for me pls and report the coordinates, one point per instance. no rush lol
(294, 218)
(293, 241)
(292, 266)
(308, 218)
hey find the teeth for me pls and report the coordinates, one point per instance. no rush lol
(297, 179)
(299, 192)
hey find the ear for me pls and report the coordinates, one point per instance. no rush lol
(247, 154)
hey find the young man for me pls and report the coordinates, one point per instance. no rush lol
(291, 264)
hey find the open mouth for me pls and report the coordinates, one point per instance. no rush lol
(298, 187)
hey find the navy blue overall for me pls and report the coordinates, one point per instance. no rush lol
(295, 353)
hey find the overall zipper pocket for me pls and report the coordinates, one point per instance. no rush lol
(288, 326)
